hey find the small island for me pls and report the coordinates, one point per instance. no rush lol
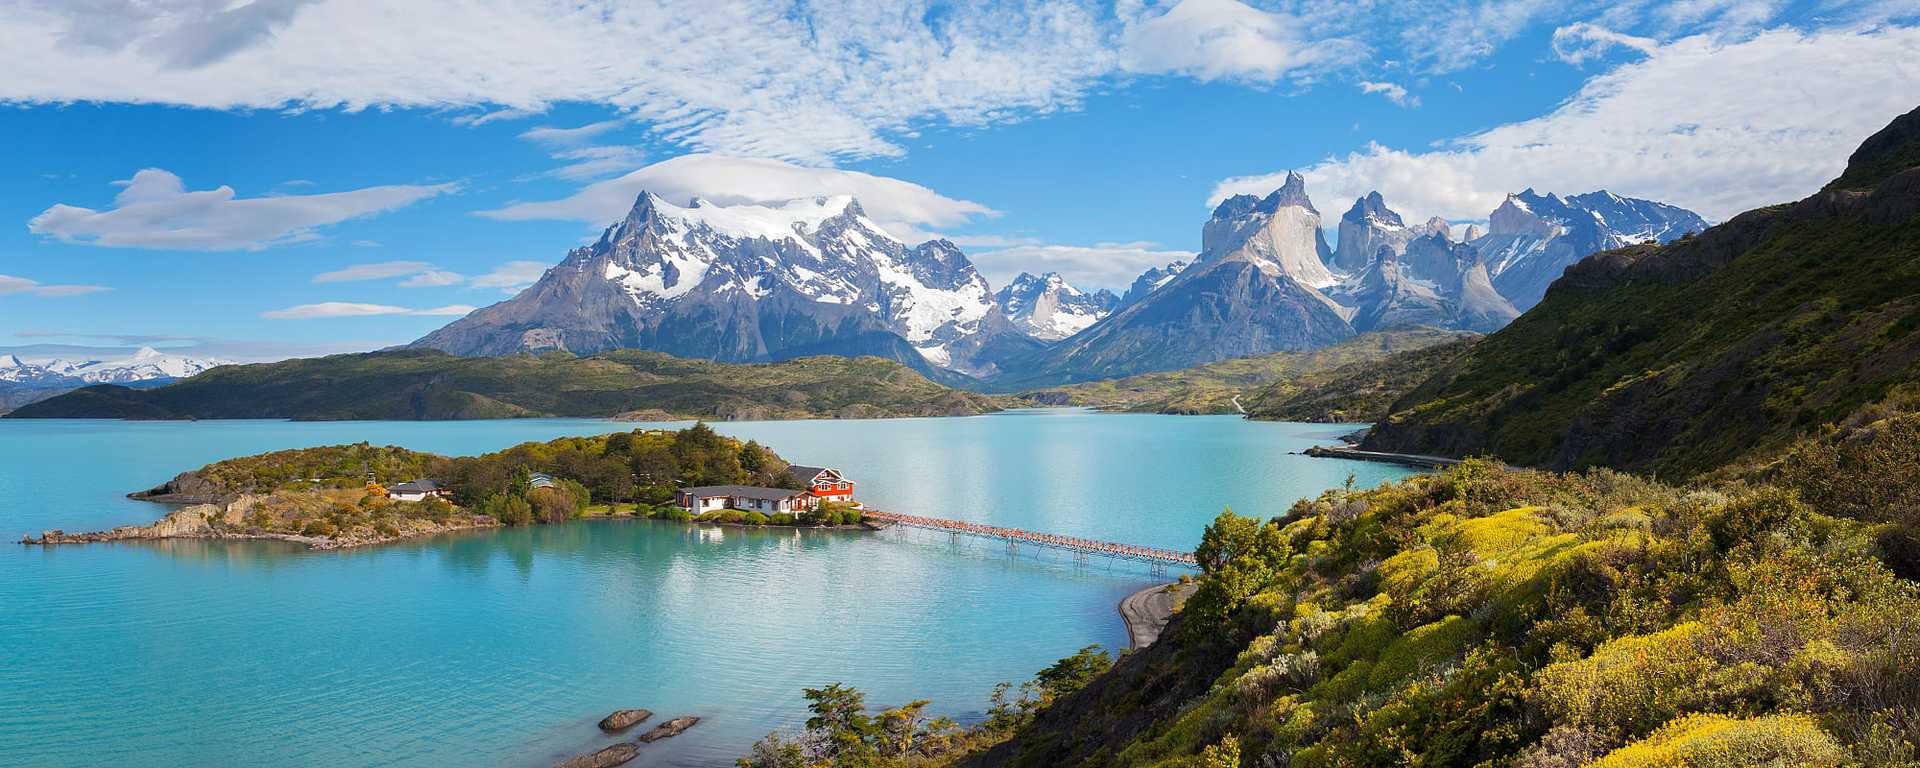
(340, 496)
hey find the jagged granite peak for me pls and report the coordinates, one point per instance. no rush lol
(1292, 192)
(1049, 308)
(1474, 232)
(1434, 282)
(1367, 227)
(1280, 235)
(1439, 226)
(748, 282)
(1373, 206)
(1533, 238)
(1150, 281)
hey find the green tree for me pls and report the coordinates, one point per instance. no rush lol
(1072, 673)
(840, 718)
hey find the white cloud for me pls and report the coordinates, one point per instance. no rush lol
(901, 206)
(1223, 40)
(826, 80)
(329, 309)
(10, 284)
(1394, 92)
(433, 278)
(570, 137)
(1103, 265)
(1716, 127)
(377, 271)
(512, 276)
(1579, 43)
(154, 210)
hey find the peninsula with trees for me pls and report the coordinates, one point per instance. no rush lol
(354, 495)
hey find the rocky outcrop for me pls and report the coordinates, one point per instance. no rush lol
(228, 521)
(617, 754)
(669, 729)
(184, 488)
(623, 719)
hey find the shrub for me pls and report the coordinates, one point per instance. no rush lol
(552, 505)
(1718, 740)
(509, 510)
(672, 513)
(754, 518)
(722, 516)
(319, 527)
(781, 518)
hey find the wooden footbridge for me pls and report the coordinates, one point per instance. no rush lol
(1159, 559)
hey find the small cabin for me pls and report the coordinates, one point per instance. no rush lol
(746, 498)
(539, 480)
(824, 483)
(417, 490)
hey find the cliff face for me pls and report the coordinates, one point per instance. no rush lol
(1681, 357)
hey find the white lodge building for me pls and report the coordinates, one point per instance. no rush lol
(746, 498)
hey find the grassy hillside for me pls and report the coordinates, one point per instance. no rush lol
(426, 384)
(1677, 359)
(1491, 617)
(1210, 388)
(1361, 391)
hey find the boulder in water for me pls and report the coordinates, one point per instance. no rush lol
(669, 729)
(606, 758)
(624, 719)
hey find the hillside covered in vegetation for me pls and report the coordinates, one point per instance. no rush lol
(1358, 391)
(427, 385)
(1212, 387)
(1728, 345)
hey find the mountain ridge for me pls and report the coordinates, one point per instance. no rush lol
(1681, 357)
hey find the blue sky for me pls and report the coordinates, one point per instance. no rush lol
(291, 177)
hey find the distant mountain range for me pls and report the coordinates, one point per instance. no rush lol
(1267, 281)
(22, 382)
(1047, 308)
(748, 283)
(428, 384)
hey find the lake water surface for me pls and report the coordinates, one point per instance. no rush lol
(503, 648)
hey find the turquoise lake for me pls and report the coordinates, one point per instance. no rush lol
(504, 648)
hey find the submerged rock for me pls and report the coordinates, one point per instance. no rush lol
(669, 729)
(606, 758)
(624, 719)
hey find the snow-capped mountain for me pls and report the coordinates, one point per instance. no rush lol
(1048, 308)
(751, 282)
(1265, 280)
(1150, 281)
(1532, 238)
(145, 365)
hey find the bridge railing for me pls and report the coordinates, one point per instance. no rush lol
(1153, 555)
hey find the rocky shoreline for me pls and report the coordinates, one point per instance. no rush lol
(228, 522)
